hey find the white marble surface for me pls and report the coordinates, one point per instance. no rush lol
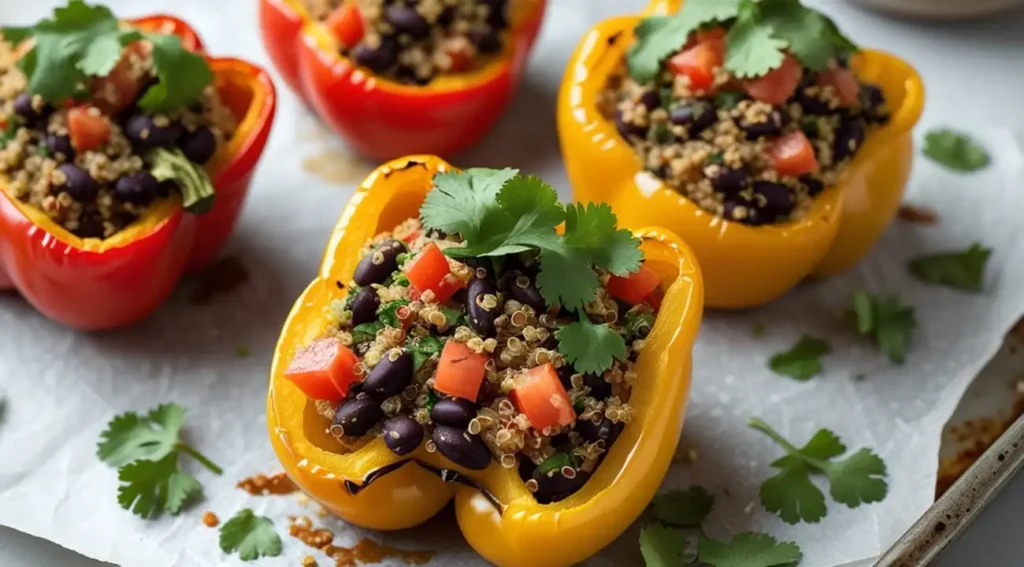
(971, 71)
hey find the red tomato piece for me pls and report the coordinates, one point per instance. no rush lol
(792, 155)
(778, 85)
(699, 63)
(119, 89)
(844, 82)
(346, 23)
(324, 370)
(88, 128)
(635, 287)
(430, 271)
(460, 372)
(461, 58)
(541, 396)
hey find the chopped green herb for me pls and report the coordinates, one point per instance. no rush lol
(662, 134)
(748, 549)
(658, 37)
(759, 330)
(810, 125)
(887, 320)
(150, 487)
(961, 269)
(42, 149)
(555, 463)
(857, 479)
(955, 150)
(197, 193)
(400, 280)
(431, 399)
(684, 508)
(729, 99)
(402, 258)
(388, 313)
(422, 348)
(801, 362)
(9, 132)
(250, 535)
(638, 325)
(453, 317)
(242, 351)
(716, 158)
(579, 403)
(366, 332)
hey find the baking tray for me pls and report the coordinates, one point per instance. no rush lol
(982, 450)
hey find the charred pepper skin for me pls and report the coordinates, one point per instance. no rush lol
(375, 488)
(744, 266)
(99, 284)
(383, 119)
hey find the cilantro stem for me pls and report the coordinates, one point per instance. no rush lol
(199, 457)
(793, 451)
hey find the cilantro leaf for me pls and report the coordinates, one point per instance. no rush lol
(572, 292)
(182, 74)
(250, 535)
(104, 52)
(684, 508)
(591, 229)
(638, 325)
(859, 478)
(150, 487)
(464, 202)
(961, 269)
(748, 549)
(801, 362)
(657, 37)
(753, 48)
(453, 317)
(887, 320)
(662, 546)
(812, 36)
(366, 332)
(590, 348)
(130, 437)
(388, 312)
(955, 150)
(422, 349)
(555, 463)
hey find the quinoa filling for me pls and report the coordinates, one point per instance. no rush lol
(415, 41)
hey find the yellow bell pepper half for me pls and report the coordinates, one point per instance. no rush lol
(743, 265)
(374, 488)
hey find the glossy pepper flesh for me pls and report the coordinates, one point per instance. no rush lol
(743, 265)
(375, 488)
(384, 119)
(91, 283)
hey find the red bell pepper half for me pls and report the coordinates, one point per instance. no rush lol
(94, 284)
(383, 119)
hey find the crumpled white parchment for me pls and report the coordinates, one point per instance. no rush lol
(63, 386)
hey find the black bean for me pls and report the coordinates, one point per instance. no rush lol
(603, 430)
(480, 318)
(812, 105)
(650, 99)
(731, 207)
(136, 188)
(377, 59)
(402, 434)
(772, 125)
(848, 138)
(557, 487)
(813, 185)
(79, 184)
(486, 41)
(166, 187)
(488, 393)
(526, 468)
(379, 264)
(446, 17)
(497, 15)
(871, 97)
(364, 305)
(598, 387)
(391, 375)
(565, 373)
(60, 146)
(358, 415)
(24, 108)
(729, 180)
(778, 199)
(462, 448)
(453, 413)
(407, 20)
(90, 224)
(142, 131)
(520, 288)
(408, 76)
(199, 145)
(695, 116)
(626, 129)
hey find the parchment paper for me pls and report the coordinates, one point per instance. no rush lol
(62, 387)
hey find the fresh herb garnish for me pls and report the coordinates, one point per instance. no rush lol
(400, 280)
(388, 313)
(453, 317)
(858, 478)
(759, 35)
(729, 99)
(555, 463)
(684, 508)
(955, 150)
(748, 549)
(638, 325)
(422, 348)
(146, 449)
(250, 535)
(83, 40)
(197, 193)
(801, 362)
(42, 149)
(887, 320)
(960, 269)
(663, 546)
(366, 332)
(499, 212)
(431, 399)
(9, 132)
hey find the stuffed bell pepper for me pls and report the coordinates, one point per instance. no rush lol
(125, 157)
(756, 131)
(396, 77)
(443, 353)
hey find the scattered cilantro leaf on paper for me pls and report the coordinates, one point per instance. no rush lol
(662, 546)
(748, 549)
(801, 362)
(130, 437)
(151, 487)
(960, 269)
(854, 480)
(887, 320)
(658, 37)
(955, 150)
(684, 508)
(250, 535)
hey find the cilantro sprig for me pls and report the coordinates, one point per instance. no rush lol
(145, 449)
(250, 535)
(887, 321)
(759, 36)
(81, 41)
(664, 543)
(801, 362)
(500, 212)
(958, 269)
(857, 479)
(956, 150)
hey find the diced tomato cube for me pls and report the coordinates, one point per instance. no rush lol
(541, 396)
(88, 128)
(324, 370)
(845, 84)
(699, 63)
(120, 88)
(460, 372)
(792, 155)
(430, 271)
(346, 23)
(635, 287)
(778, 85)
